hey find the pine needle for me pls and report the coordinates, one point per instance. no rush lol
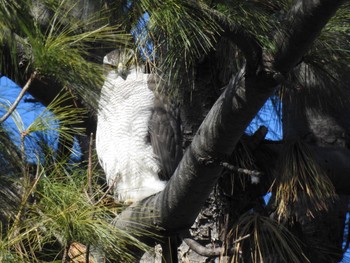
(302, 187)
(260, 239)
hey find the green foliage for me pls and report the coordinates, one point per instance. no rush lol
(60, 50)
(52, 211)
(180, 33)
(59, 213)
(61, 117)
(46, 207)
(65, 211)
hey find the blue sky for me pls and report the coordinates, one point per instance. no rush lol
(24, 115)
(269, 116)
(29, 110)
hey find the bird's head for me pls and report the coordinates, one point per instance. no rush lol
(120, 60)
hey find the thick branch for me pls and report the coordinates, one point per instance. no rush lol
(303, 24)
(176, 208)
(186, 192)
(246, 42)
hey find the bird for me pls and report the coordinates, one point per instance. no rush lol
(138, 135)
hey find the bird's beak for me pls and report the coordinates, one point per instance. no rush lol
(120, 69)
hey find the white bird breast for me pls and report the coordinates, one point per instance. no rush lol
(122, 128)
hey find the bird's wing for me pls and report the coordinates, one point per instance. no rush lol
(166, 136)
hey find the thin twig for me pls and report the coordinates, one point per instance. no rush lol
(18, 99)
(24, 200)
(347, 238)
(202, 250)
(211, 252)
(89, 174)
(65, 257)
(87, 255)
(240, 239)
(89, 171)
(241, 170)
(107, 191)
(23, 156)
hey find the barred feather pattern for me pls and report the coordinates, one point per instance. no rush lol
(122, 146)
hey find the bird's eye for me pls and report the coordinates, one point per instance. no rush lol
(110, 66)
